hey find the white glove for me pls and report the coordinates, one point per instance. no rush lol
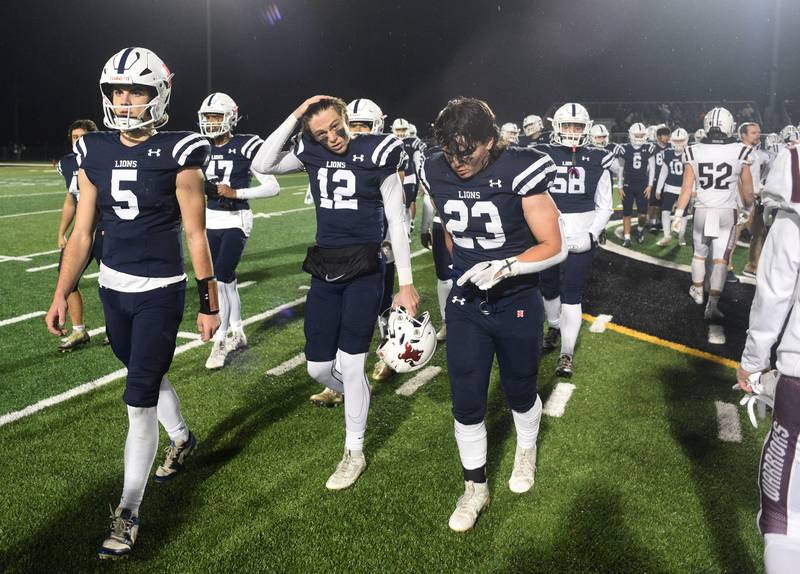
(744, 217)
(487, 274)
(676, 221)
(763, 395)
(580, 243)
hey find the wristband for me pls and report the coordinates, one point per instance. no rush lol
(209, 301)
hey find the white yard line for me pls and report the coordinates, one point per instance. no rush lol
(246, 284)
(120, 373)
(4, 258)
(600, 323)
(30, 213)
(411, 386)
(716, 334)
(267, 215)
(287, 366)
(730, 429)
(17, 195)
(188, 335)
(42, 268)
(558, 399)
(97, 331)
(94, 275)
(13, 320)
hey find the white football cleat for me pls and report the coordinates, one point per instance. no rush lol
(124, 528)
(236, 342)
(522, 476)
(219, 352)
(347, 471)
(441, 334)
(696, 293)
(469, 506)
(664, 241)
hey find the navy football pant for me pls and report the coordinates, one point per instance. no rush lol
(568, 278)
(512, 331)
(634, 193)
(668, 200)
(227, 247)
(341, 316)
(142, 329)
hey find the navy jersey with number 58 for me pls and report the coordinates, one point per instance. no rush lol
(230, 164)
(483, 214)
(346, 187)
(139, 211)
(577, 175)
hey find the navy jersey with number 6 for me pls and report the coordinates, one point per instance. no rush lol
(229, 164)
(346, 188)
(636, 160)
(484, 214)
(577, 176)
(139, 210)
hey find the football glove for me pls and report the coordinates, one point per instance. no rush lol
(487, 274)
(763, 395)
(581, 243)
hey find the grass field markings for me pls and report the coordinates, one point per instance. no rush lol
(303, 287)
(24, 317)
(42, 268)
(26, 257)
(730, 428)
(557, 401)
(97, 331)
(31, 213)
(188, 335)
(299, 193)
(664, 343)
(267, 215)
(94, 275)
(120, 373)
(246, 284)
(599, 324)
(287, 366)
(412, 385)
(18, 164)
(16, 195)
(716, 334)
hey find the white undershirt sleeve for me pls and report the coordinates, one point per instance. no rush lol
(651, 170)
(268, 187)
(603, 208)
(270, 159)
(662, 177)
(392, 192)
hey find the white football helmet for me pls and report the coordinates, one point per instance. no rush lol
(679, 138)
(218, 103)
(410, 341)
(400, 127)
(366, 111)
(510, 133)
(790, 133)
(140, 67)
(532, 125)
(412, 130)
(571, 113)
(721, 119)
(699, 135)
(599, 134)
(651, 132)
(637, 134)
(773, 142)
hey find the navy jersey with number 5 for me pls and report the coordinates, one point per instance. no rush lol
(484, 214)
(636, 159)
(577, 175)
(346, 188)
(139, 210)
(68, 167)
(229, 164)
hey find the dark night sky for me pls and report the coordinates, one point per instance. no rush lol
(409, 57)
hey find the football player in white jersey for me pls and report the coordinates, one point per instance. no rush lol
(229, 219)
(774, 316)
(68, 168)
(509, 132)
(750, 134)
(720, 167)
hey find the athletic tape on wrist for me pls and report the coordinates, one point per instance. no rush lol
(209, 299)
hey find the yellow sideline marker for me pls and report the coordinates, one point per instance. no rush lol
(668, 344)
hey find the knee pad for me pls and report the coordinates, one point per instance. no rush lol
(319, 370)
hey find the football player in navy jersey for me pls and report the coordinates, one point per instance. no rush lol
(354, 183)
(68, 168)
(147, 184)
(229, 220)
(668, 186)
(503, 229)
(432, 237)
(601, 139)
(661, 143)
(636, 173)
(582, 192)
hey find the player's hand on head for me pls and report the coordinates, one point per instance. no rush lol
(56, 317)
(301, 109)
(408, 297)
(207, 325)
(224, 190)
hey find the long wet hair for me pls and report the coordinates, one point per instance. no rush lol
(465, 123)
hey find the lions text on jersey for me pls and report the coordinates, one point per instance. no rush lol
(484, 214)
(347, 188)
(139, 211)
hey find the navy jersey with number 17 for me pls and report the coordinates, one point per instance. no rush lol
(346, 187)
(483, 214)
(230, 164)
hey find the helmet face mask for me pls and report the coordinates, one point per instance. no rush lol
(637, 134)
(135, 69)
(218, 115)
(410, 341)
(365, 112)
(571, 125)
(532, 126)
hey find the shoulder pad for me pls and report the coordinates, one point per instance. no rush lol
(191, 149)
(534, 170)
(249, 144)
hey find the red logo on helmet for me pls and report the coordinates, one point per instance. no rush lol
(410, 355)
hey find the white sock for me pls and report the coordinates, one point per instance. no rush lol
(627, 236)
(357, 392)
(713, 302)
(169, 412)
(666, 224)
(79, 328)
(235, 303)
(140, 452)
(698, 271)
(326, 374)
(224, 311)
(527, 424)
(552, 310)
(442, 291)
(471, 441)
(781, 553)
(719, 273)
(682, 228)
(570, 327)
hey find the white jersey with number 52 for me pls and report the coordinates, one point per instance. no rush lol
(716, 168)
